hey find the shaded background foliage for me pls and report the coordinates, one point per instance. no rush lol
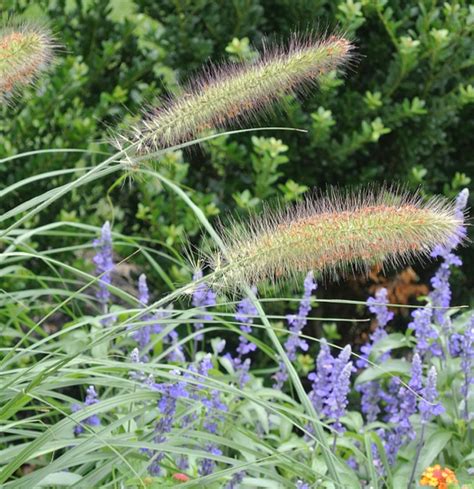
(405, 113)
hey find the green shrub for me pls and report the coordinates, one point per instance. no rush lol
(404, 114)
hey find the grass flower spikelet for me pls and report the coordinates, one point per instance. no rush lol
(26, 50)
(333, 235)
(236, 91)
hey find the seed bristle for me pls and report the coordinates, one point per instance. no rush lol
(236, 92)
(26, 50)
(334, 235)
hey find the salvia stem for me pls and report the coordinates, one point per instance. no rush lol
(417, 456)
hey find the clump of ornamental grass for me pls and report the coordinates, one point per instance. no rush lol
(236, 92)
(334, 234)
(26, 50)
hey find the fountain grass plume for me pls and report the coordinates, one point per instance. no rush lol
(26, 50)
(333, 234)
(237, 91)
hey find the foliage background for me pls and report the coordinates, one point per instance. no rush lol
(403, 113)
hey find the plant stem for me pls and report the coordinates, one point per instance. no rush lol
(334, 443)
(417, 456)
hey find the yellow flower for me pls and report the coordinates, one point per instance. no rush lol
(437, 477)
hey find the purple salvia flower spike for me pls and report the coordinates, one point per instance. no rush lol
(182, 463)
(441, 294)
(167, 405)
(236, 480)
(280, 376)
(352, 463)
(208, 465)
(336, 402)
(177, 353)
(143, 293)
(94, 420)
(371, 392)
(212, 414)
(331, 383)
(302, 485)
(244, 315)
(462, 345)
(104, 265)
(321, 378)
(428, 406)
(467, 350)
(370, 398)
(401, 407)
(378, 306)
(296, 324)
(203, 297)
(143, 334)
(425, 333)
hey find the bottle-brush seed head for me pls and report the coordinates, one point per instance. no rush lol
(236, 91)
(26, 50)
(334, 234)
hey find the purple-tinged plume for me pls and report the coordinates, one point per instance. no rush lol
(236, 91)
(333, 234)
(27, 49)
(94, 420)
